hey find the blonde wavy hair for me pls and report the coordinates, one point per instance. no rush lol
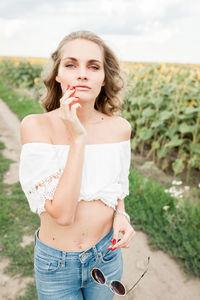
(109, 99)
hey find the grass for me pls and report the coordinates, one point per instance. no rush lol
(176, 230)
(16, 220)
(19, 104)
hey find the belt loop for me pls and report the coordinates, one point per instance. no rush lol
(63, 255)
(95, 250)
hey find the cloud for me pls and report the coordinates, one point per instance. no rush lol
(37, 26)
(11, 27)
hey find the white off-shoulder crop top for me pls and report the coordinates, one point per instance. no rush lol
(105, 172)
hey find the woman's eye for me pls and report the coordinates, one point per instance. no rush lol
(69, 65)
(93, 67)
(96, 68)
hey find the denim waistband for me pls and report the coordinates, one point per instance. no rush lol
(103, 242)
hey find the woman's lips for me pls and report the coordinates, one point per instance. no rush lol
(82, 89)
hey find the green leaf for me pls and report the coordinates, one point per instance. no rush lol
(194, 161)
(148, 112)
(156, 124)
(194, 148)
(134, 143)
(171, 131)
(190, 110)
(178, 166)
(162, 152)
(184, 128)
(140, 121)
(145, 134)
(165, 115)
(174, 142)
(155, 145)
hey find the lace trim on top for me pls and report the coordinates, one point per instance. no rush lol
(45, 189)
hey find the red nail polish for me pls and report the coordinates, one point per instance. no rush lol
(73, 88)
(113, 249)
(114, 241)
(109, 247)
(77, 97)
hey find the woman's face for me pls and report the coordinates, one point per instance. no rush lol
(82, 64)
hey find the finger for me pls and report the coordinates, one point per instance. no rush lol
(70, 91)
(126, 240)
(67, 93)
(69, 100)
(74, 107)
(122, 242)
(66, 103)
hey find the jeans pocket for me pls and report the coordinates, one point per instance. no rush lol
(44, 264)
(111, 256)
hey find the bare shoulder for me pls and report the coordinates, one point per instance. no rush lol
(33, 129)
(123, 127)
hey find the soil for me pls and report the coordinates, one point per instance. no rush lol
(164, 279)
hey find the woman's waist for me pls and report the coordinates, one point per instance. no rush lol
(92, 221)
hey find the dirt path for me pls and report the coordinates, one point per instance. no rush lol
(164, 280)
(11, 287)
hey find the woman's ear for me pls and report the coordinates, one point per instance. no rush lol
(103, 83)
(57, 78)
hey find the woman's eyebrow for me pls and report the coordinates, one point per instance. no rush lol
(90, 61)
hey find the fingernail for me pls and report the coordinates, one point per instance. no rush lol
(73, 88)
(114, 241)
(113, 249)
(77, 97)
(109, 247)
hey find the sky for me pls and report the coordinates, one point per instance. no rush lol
(136, 30)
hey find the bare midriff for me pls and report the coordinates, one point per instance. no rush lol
(93, 220)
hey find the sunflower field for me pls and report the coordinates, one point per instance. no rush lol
(161, 101)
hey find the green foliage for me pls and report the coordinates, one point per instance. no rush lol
(16, 220)
(175, 230)
(19, 104)
(21, 75)
(163, 107)
(157, 127)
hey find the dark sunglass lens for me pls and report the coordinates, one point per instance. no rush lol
(98, 276)
(118, 288)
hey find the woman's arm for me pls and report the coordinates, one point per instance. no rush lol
(65, 200)
(63, 206)
(120, 205)
(126, 131)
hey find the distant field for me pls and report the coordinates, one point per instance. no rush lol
(128, 66)
(32, 60)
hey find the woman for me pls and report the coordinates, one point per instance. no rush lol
(74, 170)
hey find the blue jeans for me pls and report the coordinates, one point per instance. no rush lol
(62, 275)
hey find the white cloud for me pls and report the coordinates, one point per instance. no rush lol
(142, 30)
(11, 27)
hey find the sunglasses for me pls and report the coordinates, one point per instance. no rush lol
(116, 286)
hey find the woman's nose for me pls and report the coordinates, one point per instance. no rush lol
(82, 73)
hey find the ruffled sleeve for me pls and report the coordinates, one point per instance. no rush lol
(39, 174)
(125, 169)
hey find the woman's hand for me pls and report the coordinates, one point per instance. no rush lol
(121, 224)
(67, 113)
